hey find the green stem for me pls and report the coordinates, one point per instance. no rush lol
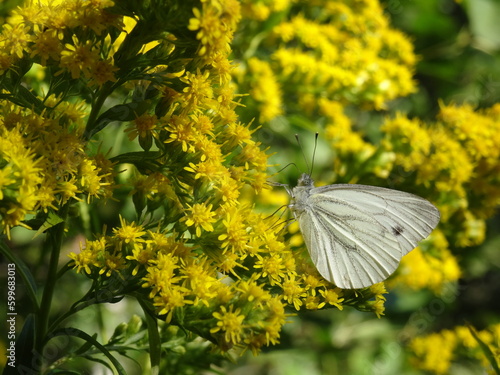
(106, 90)
(54, 242)
(154, 339)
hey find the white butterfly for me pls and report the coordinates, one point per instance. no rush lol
(357, 234)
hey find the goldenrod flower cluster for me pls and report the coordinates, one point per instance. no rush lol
(454, 159)
(45, 163)
(341, 50)
(436, 352)
(196, 253)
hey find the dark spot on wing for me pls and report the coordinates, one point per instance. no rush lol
(397, 230)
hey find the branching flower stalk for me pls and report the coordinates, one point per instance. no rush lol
(54, 241)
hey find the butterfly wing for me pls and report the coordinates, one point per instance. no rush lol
(408, 217)
(357, 234)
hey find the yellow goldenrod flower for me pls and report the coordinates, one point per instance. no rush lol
(101, 72)
(272, 267)
(142, 254)
(16, 39)
(200, 281)
(181, 131)
(236, 237)
(332, 297)
(89, 255)
(113, 262)
(143, 126)
(169, 299)
(252, 292)
(293, 292)
(229, 190)
(47, 45)
(215, 24)
(230, 323)
(83, 260)
(78, 57)
(129, 233)
(378, 307)
(201, 217)
(312, 302)
(198, 92)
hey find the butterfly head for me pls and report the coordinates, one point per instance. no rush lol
(305, 180)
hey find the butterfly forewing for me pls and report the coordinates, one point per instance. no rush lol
(408, 217)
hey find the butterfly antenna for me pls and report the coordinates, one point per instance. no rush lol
(303, 154)
(314, 152)
(286, 166)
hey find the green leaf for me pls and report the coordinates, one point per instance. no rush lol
(485, 348)
(154, 338)
(52, 220)
(86, 346)
(72, 331)
(61, 371)
(120, 113)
